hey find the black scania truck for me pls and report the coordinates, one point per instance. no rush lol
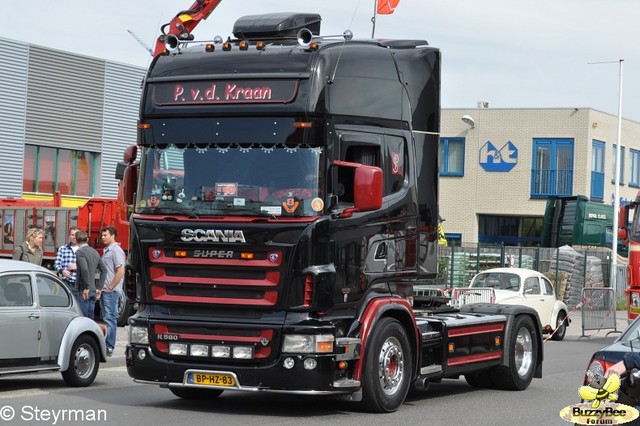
(284, 205)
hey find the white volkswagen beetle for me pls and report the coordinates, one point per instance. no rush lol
(42, 327)
(519, 286)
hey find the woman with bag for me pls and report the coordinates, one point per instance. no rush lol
(31, 249)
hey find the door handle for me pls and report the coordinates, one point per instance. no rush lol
(34, 315)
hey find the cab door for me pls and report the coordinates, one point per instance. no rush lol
(19, 321)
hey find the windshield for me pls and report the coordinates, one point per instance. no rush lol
(270, 180)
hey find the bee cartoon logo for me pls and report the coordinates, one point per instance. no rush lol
(600, 390)
(599, 404)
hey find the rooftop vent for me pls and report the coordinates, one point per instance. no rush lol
(275, 25)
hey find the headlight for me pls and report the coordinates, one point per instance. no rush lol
(138, 334)
(307, 343)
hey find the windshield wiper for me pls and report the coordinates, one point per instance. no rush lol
(263, 213)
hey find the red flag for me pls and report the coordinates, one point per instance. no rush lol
(387, 7)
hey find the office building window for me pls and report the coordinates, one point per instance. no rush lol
(597, 170)
(634, 179)
(552, 169)
(451, 156)
(47, 170)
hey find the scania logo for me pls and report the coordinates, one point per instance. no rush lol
(213, 235)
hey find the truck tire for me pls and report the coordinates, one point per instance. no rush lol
(196, 393)
(388, 367)
(523, 357)
(83, 362)
(561, 326)
(125, 310)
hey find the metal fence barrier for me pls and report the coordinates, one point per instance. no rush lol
(598, 309)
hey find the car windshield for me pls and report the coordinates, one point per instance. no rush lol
(497, 280)
(269, 180)
(632, 335)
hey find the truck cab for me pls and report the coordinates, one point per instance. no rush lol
(286, 203)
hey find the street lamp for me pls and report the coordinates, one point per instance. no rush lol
(616, 179)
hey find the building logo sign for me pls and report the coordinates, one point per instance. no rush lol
(498, 160)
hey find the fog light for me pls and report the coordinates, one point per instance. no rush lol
(199, 350)
(178, 349)
(221, 351)
(243, 352)
(310, 363)
(142, 354)
(288, 363)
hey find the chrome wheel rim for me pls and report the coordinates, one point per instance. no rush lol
(84, 361)
(523, 351)
(391, 366)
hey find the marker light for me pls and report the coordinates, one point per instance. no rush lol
(181, 253)
(260, 45)
(243, 45)
(209, 47)
(246, 256)
(226, 46)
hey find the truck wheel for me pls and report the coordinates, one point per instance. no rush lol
(387, 370)
(523, 357)
(83, 362)
(561, 325)
(196, 393)
(124, 310)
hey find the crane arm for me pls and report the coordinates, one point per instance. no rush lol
(184, 22)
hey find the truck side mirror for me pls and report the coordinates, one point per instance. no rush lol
(130, 183)
(367, 187)
(130, 154)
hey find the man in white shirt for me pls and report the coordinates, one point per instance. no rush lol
(113, 258)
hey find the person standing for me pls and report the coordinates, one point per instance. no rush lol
(31, 249)
(113, 258)
(88, 263)
(65, 263)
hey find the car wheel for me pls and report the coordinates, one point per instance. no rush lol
(523, 357)
(561, 327)
(387, 367)
(196, 393)
(83, 362)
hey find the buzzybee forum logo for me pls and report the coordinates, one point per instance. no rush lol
(600, 407)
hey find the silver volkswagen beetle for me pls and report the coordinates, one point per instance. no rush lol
(42, 327)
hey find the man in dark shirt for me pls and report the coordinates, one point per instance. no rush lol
(88, 263)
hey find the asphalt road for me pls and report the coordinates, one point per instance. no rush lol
(114, 399)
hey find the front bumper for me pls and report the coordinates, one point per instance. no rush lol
(324, 379)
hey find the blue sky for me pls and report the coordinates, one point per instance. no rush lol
(512, 54)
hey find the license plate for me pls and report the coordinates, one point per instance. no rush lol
(211, 379)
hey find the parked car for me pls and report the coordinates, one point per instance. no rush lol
(519, 286)
(42, 327)
(602, 360)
